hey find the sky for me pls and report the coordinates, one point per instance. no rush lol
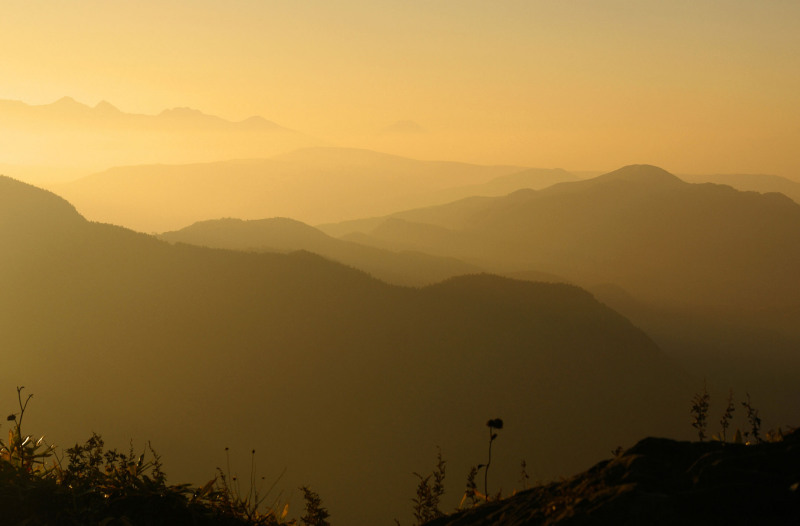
(696, 86)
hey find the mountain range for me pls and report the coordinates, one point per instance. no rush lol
(287, 235)
(621, 294)
(319, 186)
(706, 270)
(652, 246)
(315, 185)
(322, 369)
(639, 227)
(69, 112)
(762, 183)
(50, 141)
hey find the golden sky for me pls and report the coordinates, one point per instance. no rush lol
(692, 86)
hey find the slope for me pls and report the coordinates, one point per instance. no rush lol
(323, 370)
(639, 227)
(662, 482)
(287, 235)
(312, 185)
(762, 183)
(708, 271)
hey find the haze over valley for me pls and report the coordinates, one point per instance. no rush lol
(346, 236)
(293, 341)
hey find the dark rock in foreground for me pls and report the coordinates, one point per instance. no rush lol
(661, 481)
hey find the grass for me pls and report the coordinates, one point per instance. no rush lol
(429, 493)
(90, 484)
(699, 412)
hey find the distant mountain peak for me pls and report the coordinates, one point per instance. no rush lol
(183, 111)
(106, 107)
(66, 100)
(641, 173)
(105, 113)
(69, 104)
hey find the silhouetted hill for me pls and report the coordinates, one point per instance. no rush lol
(662, 482)
(533, 178)
(312, 185)
(639, 227)
(642, 174)
(26, 206)
(762, 183)
(756, 183)
(277, 233)
(323, 370)
(708, 271)
(287, 235)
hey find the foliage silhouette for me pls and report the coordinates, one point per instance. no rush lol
(316, 514)
(699, 412)
(91, 484)
(496, 423)
(753, 419)
(429, 492)
(471, 493)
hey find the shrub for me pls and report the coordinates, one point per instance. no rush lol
(429, 493)
(104, 486)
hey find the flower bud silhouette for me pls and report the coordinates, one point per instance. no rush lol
(494, 423)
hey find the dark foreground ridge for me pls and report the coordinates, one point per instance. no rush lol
(658, 482)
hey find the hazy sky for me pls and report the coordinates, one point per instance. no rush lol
(693, 86)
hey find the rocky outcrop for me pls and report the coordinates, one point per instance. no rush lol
(659, 482)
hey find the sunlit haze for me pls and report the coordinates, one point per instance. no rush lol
(369, 238)
(698, 87)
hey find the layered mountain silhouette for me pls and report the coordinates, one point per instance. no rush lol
(64, 131)
(639, 227)
(322, 369)
(67, 111)
(287, 235)
(763, 183)
(708, 271)
(312, 185)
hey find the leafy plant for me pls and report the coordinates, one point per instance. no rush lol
(471, 492)
(24, 454)
(315, 514)
(725, 421)
(524, 478)
(249, 504)
(753, 419)
(429, 492)
(94, 485)
(699, 412)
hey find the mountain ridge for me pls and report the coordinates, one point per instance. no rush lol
(346, 182)
(273, 351)
(34, 205)
(106, 109)
(77, 139)
(287, 235)
(633, 227)
(645, 173)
